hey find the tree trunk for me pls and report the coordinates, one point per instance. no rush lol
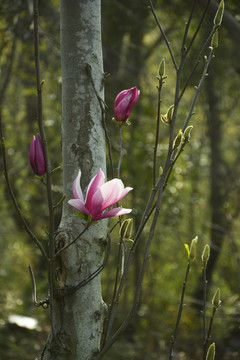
(77, 319)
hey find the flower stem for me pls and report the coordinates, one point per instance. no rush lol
(120, 152)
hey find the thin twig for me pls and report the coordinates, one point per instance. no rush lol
(14, 200)
(198, 28)
(163, 34)
(190, 113)
(174, 336)
(120, 151)
(39, 84)
(90, 277)
(59, 202)
(197, 62)
(72, 242)
(110, 318)
(187, 28)
(43, 303)
(157, 130)
(208, 337)
(204, 299)
(103, 107)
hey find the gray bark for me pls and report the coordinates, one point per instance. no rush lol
(77, 319)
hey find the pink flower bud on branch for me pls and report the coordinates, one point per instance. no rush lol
(124, 103)
(36, 156)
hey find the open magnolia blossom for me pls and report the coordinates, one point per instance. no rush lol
(99, 197)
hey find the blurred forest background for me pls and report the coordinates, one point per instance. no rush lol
(201, 197)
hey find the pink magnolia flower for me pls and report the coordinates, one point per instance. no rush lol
(124, 103)
(100, 196)
(36, 156)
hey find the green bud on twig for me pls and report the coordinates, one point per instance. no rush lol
(161, 70)
(211, 352)
(214, 42)
(177, 141)
(219, 14)
(164, 119)
(193, 249)
(126, 229)
(187, 133)
(206, 253)
(216, 299)
(191, 252)
(170, 113)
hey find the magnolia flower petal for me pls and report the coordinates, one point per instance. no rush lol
(76, 188)
(120, 96)
(134, 98)
(96, 182)
(78, 204)
(125, 192)
(115, 212)
(107, 195)
(124, 103)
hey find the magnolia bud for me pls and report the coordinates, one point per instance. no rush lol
(219, 14)
(126, 229)
(170, 113)
(214, 42)
(211, 352)
(216, 299)
(36, 156)
(206, 253)
(177, 141)
(161, 70)
(124, 103)
(193, 249)
(187, 133)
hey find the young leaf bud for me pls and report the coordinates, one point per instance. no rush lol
(170, 113)
(177, 141)
(126, 229)
(216, 299)
(219, 14)
(211, 352)
(193, 249)
(164, 119)
(187, 133)
(206, 253)
(214, 42)
(161, 70)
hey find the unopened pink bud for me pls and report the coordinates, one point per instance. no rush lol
(36, 156)
(124, 103)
